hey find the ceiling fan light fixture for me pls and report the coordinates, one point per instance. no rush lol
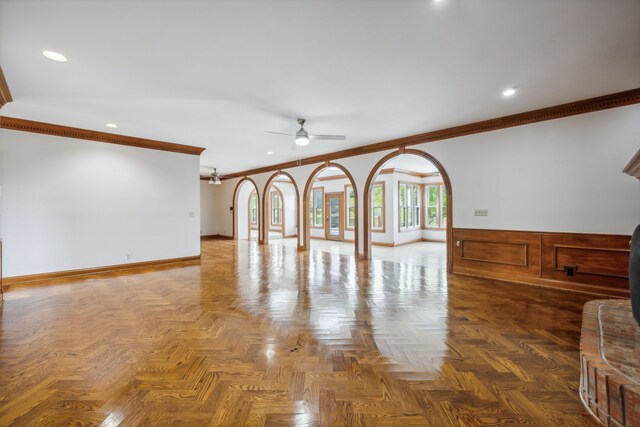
(302, 140)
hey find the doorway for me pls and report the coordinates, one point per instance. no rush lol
(407, 210)
(334, 205)
(330, 206)
(246, 212)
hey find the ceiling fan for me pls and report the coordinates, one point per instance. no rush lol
(302, 137)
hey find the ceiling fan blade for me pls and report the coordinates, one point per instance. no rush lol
(329, 137)
(280, 133)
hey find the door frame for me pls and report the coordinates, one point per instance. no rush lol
(327, 211)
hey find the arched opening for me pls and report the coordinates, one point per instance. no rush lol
(246, 211)
(280, 210)
(330, 210)
(408, 201)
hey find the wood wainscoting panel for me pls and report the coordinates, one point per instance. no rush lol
(510, 252)
(601, 260)
(496, 252)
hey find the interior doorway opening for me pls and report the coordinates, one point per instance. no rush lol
(331, 214)
(281, 216)
(408, 210)
(246, 211)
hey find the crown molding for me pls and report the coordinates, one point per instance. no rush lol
(614, 100)
(5, 93)
(91, 135)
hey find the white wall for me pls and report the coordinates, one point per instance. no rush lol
(560, 175)
(208, 209)
(72, 204)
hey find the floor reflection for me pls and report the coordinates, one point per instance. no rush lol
(264, 335)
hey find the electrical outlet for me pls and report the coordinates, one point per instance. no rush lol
(481, 212)
(128, 255)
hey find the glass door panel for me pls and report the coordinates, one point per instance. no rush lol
(334, 209)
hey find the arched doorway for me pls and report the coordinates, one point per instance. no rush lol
(246, 218)
(286, 188)
(418, 210)
(335, 212)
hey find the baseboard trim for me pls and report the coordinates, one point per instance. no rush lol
(545, 283)
(433, 240)
(215, 237)
(9, 282)
(394, 245)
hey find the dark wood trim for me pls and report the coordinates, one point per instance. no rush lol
(598, 263)
(5, 93)
(382, 172)
(305, 202)
(369, 185)
(614, 100)
(37, 278)
(331, 178)
(560, 233)
(546, 283)
(92, 135)
(235, 209)
(215, 237)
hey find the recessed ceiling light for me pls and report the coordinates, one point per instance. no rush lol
(270, 153)
(54, 55)
(510, 91)
(111, 125)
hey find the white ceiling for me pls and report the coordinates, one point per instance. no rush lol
(218, 73)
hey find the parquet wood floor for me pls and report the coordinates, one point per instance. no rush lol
(265, 336)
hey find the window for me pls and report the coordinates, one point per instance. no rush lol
(409, 205)
(377, 207)
(350, 196)
(315, 208)
(436, 206)
(276, 208)
(253, 209)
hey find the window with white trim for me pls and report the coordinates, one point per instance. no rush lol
(276, 208)
(409, 205)
(436, 205)
(315, 207)
(377, 207)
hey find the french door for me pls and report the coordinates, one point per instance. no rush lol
(333, 209)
